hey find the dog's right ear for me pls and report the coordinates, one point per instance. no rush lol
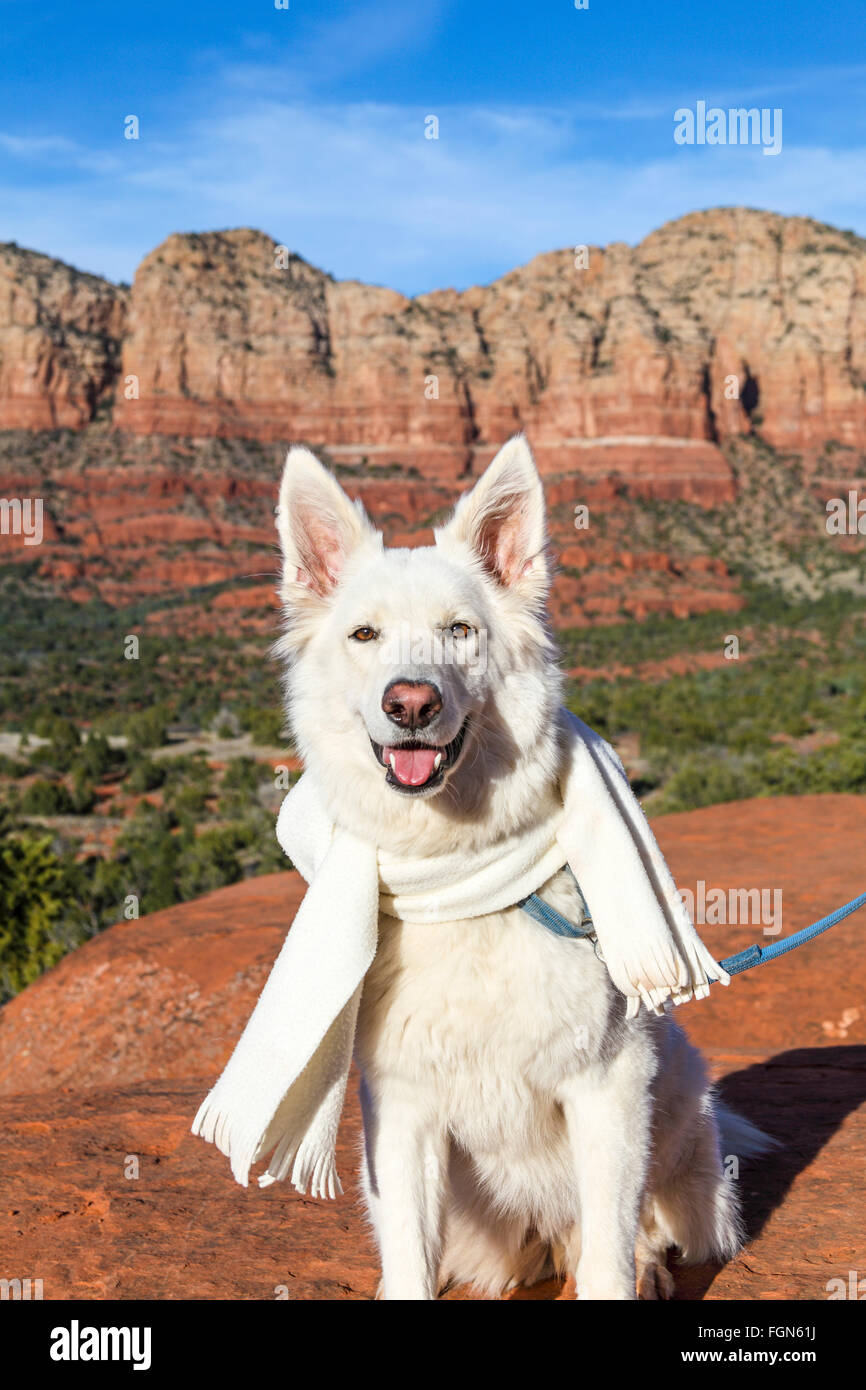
(318, 525)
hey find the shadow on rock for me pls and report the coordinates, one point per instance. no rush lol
(801, 1098)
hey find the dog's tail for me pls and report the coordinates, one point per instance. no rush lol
(698, 1206)
(739, 1136)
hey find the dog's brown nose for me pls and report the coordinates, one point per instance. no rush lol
(411, 704)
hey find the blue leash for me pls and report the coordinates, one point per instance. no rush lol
(758, 955)
(734, 965)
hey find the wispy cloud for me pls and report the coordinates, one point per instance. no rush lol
(348, 43)
(57, 151)
(358, 189)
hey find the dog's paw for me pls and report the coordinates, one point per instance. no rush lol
(655, 1282)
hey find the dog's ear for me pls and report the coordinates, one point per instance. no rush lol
(502, 520)
(318, 525)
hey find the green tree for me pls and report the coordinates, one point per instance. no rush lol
(96, 758)
(265, 725)
(146, 775)
(44, 798)
(147, 728)
(83, 794)
(63, 747)
(209, 862)
(39, 916)
(149, 852)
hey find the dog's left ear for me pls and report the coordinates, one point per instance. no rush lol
(502, 521)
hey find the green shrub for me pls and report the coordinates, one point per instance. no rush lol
(149, 852)
(96, 758)
(841, 768)
(64, 744)
(702, 781)
(83, 795)
(146, 775)
(189, 799)
(147, 728)
(44, 798)
(108, 887)
(39, 919)
(265, 725)
(209, 862)
(190, 767)
(58, 730)
(244, 775)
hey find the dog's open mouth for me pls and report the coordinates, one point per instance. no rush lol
(416, 767)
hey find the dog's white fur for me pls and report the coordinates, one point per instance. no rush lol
(515, 1121)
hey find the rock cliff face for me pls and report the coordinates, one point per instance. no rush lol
(60, 336)
(664, 373)
(641, 362)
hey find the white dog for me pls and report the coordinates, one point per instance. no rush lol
(516, 1122)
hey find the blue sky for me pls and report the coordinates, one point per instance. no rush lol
(555, 125)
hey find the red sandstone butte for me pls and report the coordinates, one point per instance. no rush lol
(623, 367)
(660, 372)
(60, 333)
(620, 370)
(105, 1059)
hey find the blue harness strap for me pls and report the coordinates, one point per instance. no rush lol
(734, 965)
(553, 920)
(550, 918)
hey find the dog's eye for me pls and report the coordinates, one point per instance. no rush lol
(461, 630)
(363, 634)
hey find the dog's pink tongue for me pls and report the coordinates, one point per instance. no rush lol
(411, 766)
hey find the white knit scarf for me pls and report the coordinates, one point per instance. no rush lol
(283, 1087)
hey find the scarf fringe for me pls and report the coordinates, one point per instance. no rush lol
(220, 1127)
(687, 976)
(311, 1166)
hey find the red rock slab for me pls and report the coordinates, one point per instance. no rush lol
(183, 1229)
(679, 664)
(164, 996)
(803, 1203)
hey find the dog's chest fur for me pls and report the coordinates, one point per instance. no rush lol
(486, 1018)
